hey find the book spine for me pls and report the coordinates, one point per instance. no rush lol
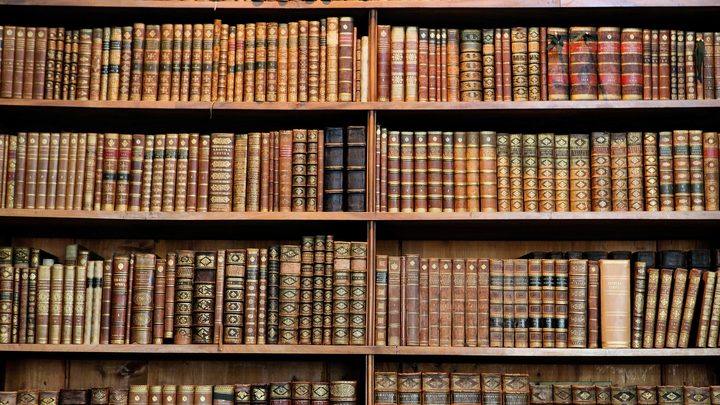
(203, 304)
(487, 64)
(636, 200)
(356, 153)
(234, 300)
(640, 276)
(631, 62)
(693, 288)
(381, 300)
(289, 293)
(147, 173)
(508, 304)
(681, 170)
(519, 63)
(220, 175)
(516, 173)
(711, 172)
(663, 65)
(558, 64)
(142, 299)
(472, 299)
(619, 164)
(394, 301)
(307, 257)
(358, 292)
(488, 181)
(470, 65)
(383, 62)
(507, 71)
(578, 310)
(583, 46)
(534, 69)
(169, 309)
(503, 172)
(680, 278)
(708, 282)
(600, 172)
(609, 63)
(548, 303)
(530, 172)
(496, 303)
(697, 181)
(579, 175)
(341, 292)
(158, 306)
(655, 63)
(397, 66)
(458, 302)
(106, 301)
(420, 172)
(535, 303)
(78, 318)
(445, 302)
(561, 303)
(520, 300)
(68, 304)
(663, 307)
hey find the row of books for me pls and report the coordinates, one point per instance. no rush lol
(341, 392)
(546, 63)
(556, 302)
(488, 171)
(322, 60)
(437, 387)
(289, 170)
(314, 293)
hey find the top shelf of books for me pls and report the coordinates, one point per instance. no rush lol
(352, 4)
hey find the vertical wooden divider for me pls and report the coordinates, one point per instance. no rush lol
(372, 33)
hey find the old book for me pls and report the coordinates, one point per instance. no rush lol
(615, 303)
(381, 300)
(562, 173)
(631, 61)
(640, 278)
(470, 65)
(688, 312)
(515, 389)
(234, 299)
(183, 297)
(355, 169)
(579, 172)
(561, 302)
(470, 305)
(636, 200)
(601, 174)
(158, 170)
(516, 173)
(609, 63)
(220, 185)
(681, 170)
(624, 394)
(710, 168)
(409, 388)
(530, 172)
(577, 313)
(593, 307)
(697, 186)
(558, 70)
(204, 285)
(583, 47)
(519, 41)
(289, 293)
(696, 395)
(708, 282)
(619, 164)
(520, 302)
(358, 292)
(680, 277)
(334, 169)
(142, 299)
(252, 282)
(663, 306)
(273, 295)
(583, 394)
(508, 301)
(562, 393)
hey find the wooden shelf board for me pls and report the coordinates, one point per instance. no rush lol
(366, 106)
(183, 216)
(549, 216)
(354, 4)
(187, 349)
(543, 353)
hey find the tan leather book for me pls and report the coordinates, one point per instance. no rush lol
(577, 303)
(708, 282)
(651, 304)
(615, 303)
(680, 278)
(508, 303)
(445, 302)
(688, 315)
(458, 302)
(663, 307)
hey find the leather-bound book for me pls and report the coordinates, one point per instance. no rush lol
(548, 302)
(334, 170)
(609, 63)
(183, 297)
(535, 303)
(498, 64)
(631, 60)
(663, 64)
(203, 172)
(136, 75)
(647, 395)
(280, 393)
(138, 395)
(341, 292)
(464, 388)
(515, 389)
(158, 301)
(252, 295)
(601, 186)
(699, 258)
(708, 75)
(583, 45)
(472, 168)
(615, 303)
(655, 63)
(665, 174)
(710, 168)
(20, 52)
(393, 171)
(640, 276)
(715, 314)
(519, 63)
(697, 186)
(460, 141)
(289, 294)
(546, 172)
(680, 64)
(306, 290)
(670, 394)
(445, 302)
(680, 277)
(409, 388)
(301, 393)
(112, 39)
(696, 395)
(593, 307)
(206, 69)
(530, 172)
(383, 63)
(688, 312)
(663, 306)
(583, 394)
(381, 300)
(320, 393)
(673, 64)
(487, 64)
(557, 55)
(580, 172)
(122, 174)
(651, 304)
(541, 394)
(411, 64)
(118, 396)
(221, 154)
(142, 299)
(434, 171)
(242, 394)
(706, 303)
(492, 388)
(73, 397)
(534, 85)
(169, 173)
(496, 306)
(203, 395)
(516, 173)
(451, 40)
(624, 395)
(99, 396)
(358, 292)
(520, 302)
(506, 61)
(681, 170)
(488, 182)
(448, 172)
(136, 171)
(603, 394)
(343, 392)
(261, 65)
(42, 313)
(151, 63)
(508, 303)
(386, 386)
(470, 304)
(299, 170)
(562, 173)
(355, 170)
(394, 302)
(619, 164)
(636, 200)
(147, 171)
(470, 65)
(458, 302)
(158, 169)
(562, 393)
(577, 313)
(406, 171)
(561, 302)
(234, 299)
(118, 309)
(222, 394)
(435, 388)
(420, 176)
(503, 172)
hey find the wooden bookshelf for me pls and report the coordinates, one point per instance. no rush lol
(438, 234)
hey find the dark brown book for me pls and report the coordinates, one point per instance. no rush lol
(203, 307)
(593, 304)
(515, 389)
(640, 279)
(436, 388)
(577, 310)
(409, 388)
(508, 301)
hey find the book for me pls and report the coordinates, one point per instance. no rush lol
(615, 303)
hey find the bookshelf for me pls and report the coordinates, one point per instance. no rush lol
(462, 234)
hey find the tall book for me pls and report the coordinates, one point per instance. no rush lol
(615, 303)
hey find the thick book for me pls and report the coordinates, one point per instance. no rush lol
(436, 388)
(492, 388)
(583, 46)
(515, 389)
(615, 317)
(577, 309)
(663, 306)
(680, 278)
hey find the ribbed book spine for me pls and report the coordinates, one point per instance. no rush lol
(710, 169)
(470, 65)
(697, 175)
(583, 42)
(631, 62)
(142, 299)
(503, 172)
(619, 164)
(183, 297)
(530, 172)
(609, 63)
(561, 303)
(579, 172)
(358, 292)
(289, 293)
(577, 313)
(681, 170)
(519, 51)
(204, 296)
(562, 173)
(600, 172)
